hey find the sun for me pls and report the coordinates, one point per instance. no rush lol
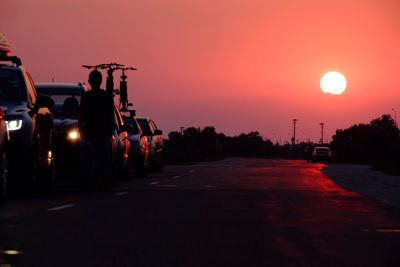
(333, 82)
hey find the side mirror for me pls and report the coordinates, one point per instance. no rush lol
(44, 101)
(157, 132)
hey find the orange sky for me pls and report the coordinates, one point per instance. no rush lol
(239, 65)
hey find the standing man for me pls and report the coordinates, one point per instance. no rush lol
(96, 125)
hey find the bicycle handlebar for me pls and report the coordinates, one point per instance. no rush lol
(103, 66)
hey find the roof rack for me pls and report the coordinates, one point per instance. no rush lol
(14, 59)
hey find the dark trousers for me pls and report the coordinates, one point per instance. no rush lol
(96, 163)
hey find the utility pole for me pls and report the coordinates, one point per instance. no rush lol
(182, 130)
(294, 132)
(322, 133)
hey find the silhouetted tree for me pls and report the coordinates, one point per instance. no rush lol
(367, 143)
(205, 144)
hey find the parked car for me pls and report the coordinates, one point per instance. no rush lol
(321, 153)
(3, 157)
(67, 98)
(156, 143)
(30, 126)
(139, 152)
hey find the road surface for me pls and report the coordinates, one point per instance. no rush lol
(233, 212)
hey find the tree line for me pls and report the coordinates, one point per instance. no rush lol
(196, 144)
(376, 143)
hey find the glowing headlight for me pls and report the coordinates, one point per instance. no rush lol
(14, 125)
(73, 135)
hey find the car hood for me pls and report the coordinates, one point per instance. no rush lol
(13, 108)
(65, 123)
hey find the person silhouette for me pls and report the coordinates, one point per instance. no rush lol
(96, 125)
(70, 107)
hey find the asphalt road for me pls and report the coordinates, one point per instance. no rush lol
(234, 212)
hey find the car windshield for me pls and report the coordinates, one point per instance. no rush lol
(134, 125)
(11, 86)
(66, 101)
(144, 125)
(322, 149)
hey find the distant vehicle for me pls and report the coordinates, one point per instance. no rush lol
(3, 157)
(139, 152)
(30, 126)
(321, 153)
(67, 98)
(156, 143)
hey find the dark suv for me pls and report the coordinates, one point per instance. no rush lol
(67, 97)
(3, 156)
(30, 126)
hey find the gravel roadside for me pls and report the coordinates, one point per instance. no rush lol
(361, 179)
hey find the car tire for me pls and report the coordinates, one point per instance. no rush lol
(157, 163)
(157, 168)
(119, 171)
(4, 187)
(142, 169)
(124, 172)
(29, 183)
(46, 179)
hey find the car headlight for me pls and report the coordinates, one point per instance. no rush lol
(73, 135)
(14, 125)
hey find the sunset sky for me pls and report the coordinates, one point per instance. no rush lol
(238, 65)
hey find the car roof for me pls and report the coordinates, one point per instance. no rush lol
(322, 147)
(78, 85)
(11, 67)
(142, 118)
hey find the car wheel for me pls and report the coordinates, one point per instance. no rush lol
(28, 181)
(3, 176)
(142, 169)
(157, 163)
(47, 178)
(120, 171)
(124, 172)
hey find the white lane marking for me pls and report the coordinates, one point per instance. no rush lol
(11, 252)
(120, 194)
(66, 206)
(192, 171)
(153, 183)
(176, 177)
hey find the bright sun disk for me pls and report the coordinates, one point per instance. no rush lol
(333, 82)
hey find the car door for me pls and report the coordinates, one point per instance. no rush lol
(157, 136)
(121, 139)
